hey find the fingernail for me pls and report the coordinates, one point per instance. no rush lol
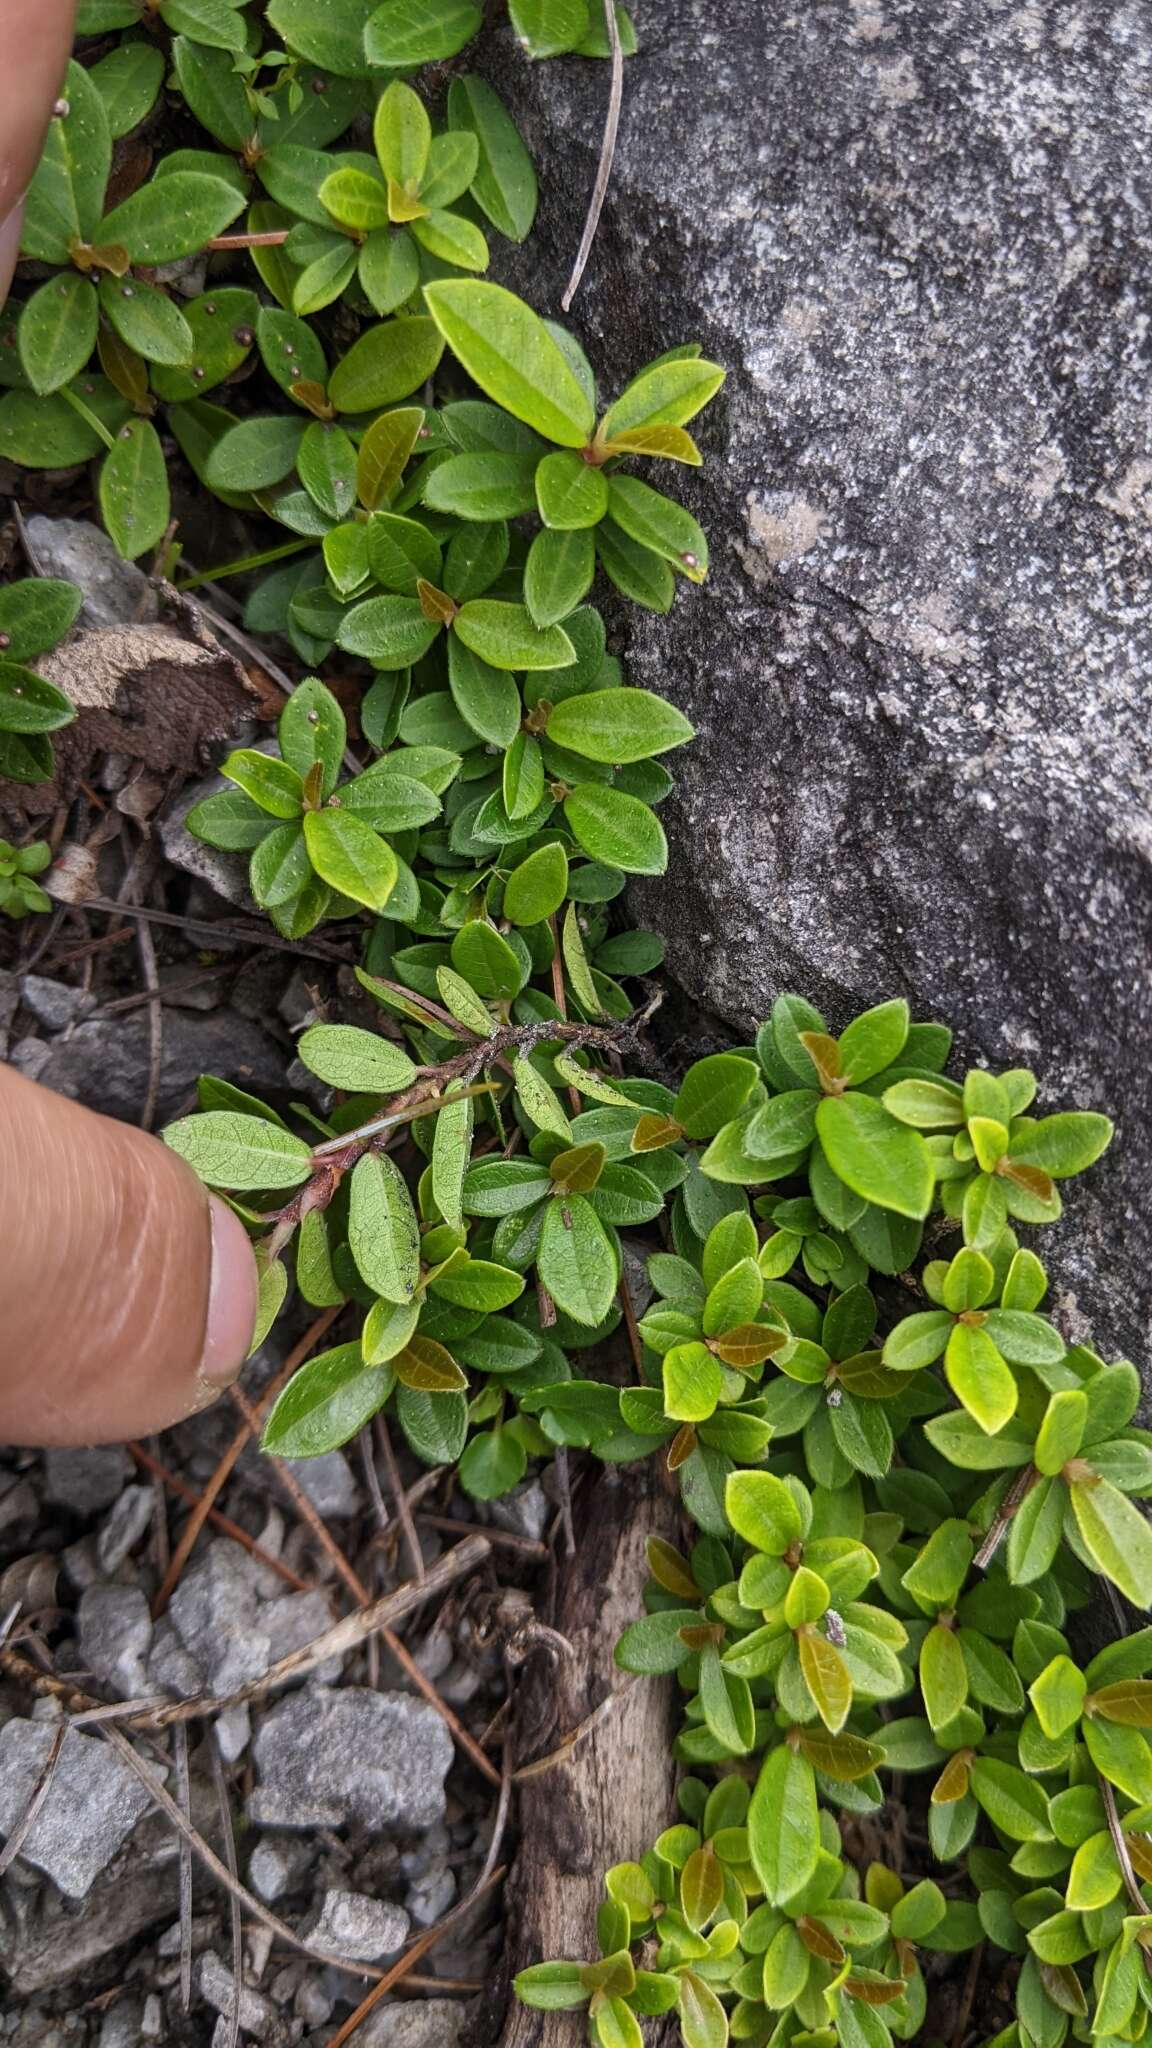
(10, 231)
(231, 1299)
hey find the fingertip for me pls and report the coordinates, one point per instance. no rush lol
(232, 1300)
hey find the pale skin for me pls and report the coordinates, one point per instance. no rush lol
(127, 1293)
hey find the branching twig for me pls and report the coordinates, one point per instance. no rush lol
(1014, 1499)
(607, 152)
(335, 1157)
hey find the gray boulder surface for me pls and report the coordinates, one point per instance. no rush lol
(919, 241)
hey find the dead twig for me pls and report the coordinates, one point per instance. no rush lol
(396, 1488)
(181, 1488)
(184, 1795)
(569, 1743)
(607, 153)
(223, 928)
(968, 1996)
(372, 1479)
(237, 1930)
(1017, 1493)
(1136, 1897)
(500, 1539)
(203, 1508)
(161, 1796)
(338, 1641)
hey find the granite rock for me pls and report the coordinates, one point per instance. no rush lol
(919, 668)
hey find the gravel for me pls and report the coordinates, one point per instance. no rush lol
(214, 1613)
(86, 1480)
(115, 1637)
(363, 1929)
(92, 1804)
(127, 1522)
(419, 2023)
(326, 1758)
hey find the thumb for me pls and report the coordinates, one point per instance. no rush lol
(37, 34)
(127, 1292)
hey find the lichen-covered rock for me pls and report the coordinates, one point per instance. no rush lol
(919, 240)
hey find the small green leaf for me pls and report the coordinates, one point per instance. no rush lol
(537, 887)
(713, 1091)
(405, 33)
(350, 857)
(147, 320)
(570, 494)
(229, 1150)
(693, 1383)
(576, 1261)
(256, 453)
(979, 1378)
(390, 632)
(508, 351)
(134, 497)
(1014, 1803)
(665, 394)
(504, 185)
(67, 193)
(30, 705)
(763, 1510)
(1116, 1536)
(877, 1157)
(784, 1825)
(325, 1403)
(172, 217)
(57, 331)
(386, 364)
(383, 1234)
(616, 828)
(384, 452)
(617, 725)
(558, 575)
(660, 524)
(270, 782)
(361, 1061)
(504, 635)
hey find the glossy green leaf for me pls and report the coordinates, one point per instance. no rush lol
(404, 33)
(134, 499)
(879, 1158)
(325, 1404)
(386, 364)
(383, 1234)
(576, 1262)
(616, 828)
(504, 185)
(57, 331)
(351, 857)
(66, 196)
(172, 217)
(508, 351)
